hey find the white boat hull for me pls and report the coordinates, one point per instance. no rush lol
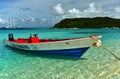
(59, 47)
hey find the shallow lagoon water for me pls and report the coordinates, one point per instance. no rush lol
(96, 63)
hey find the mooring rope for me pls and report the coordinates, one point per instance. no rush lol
(98, 43)
(111, 52)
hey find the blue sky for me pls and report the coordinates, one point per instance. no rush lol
(45, 13)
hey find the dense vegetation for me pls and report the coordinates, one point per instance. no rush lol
(98, 22)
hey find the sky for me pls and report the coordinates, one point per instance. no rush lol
(46, 13)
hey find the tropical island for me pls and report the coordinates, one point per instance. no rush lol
(96, 22)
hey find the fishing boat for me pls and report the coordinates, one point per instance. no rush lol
(74, 47)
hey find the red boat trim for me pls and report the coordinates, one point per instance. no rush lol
(27, 41)
(37, 40)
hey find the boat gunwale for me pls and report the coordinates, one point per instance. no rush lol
(62, 40)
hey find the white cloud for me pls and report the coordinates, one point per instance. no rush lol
(92, 8)
(43, 19)
(58, 9)
(74, 11)
(31, 19)
(117, 9)
(3, 21)
(91, 11)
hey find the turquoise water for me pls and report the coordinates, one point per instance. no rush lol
(96, 63)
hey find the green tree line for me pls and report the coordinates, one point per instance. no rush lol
(97, 22)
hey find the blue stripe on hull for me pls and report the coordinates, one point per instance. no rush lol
(77, 52)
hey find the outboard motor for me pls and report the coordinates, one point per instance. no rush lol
(10, 37)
